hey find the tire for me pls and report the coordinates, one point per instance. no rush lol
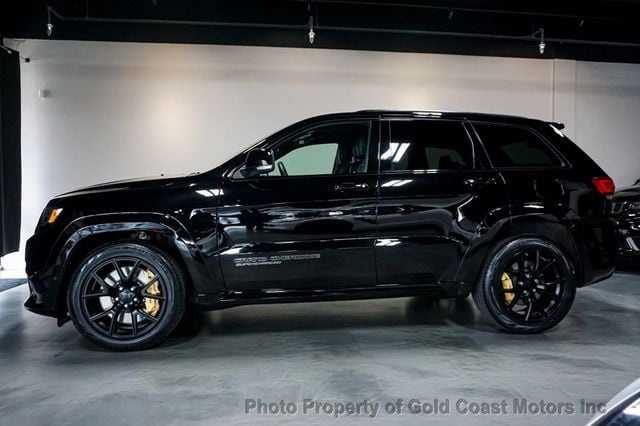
(537, 292)
(120, 310)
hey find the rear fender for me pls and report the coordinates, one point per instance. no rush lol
(553, 223)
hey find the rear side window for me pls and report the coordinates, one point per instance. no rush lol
(425, 145)
(510, 146)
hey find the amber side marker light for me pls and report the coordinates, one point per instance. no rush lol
(604, 185)
(53, 216)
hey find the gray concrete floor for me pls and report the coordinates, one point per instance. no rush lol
(381, 351)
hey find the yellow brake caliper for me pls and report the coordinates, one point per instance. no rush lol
(152, 306)
(507, 284)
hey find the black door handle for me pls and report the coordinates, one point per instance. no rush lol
(475, 183)
(350, 186)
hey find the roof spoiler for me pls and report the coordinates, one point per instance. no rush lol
(556, 124)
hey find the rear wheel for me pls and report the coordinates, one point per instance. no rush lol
(527, 286)
(127, 296)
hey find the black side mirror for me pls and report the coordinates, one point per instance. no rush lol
(259, 161)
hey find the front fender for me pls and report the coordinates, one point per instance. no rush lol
(86, 231)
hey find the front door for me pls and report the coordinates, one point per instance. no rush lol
(310, 223)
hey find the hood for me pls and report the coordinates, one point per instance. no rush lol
(128, 184)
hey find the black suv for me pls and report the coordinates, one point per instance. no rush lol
(343, 206)
(626, 211)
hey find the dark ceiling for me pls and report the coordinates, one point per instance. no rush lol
(605, 30)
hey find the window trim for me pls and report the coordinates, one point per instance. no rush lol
(386, 122)
(564, 164)
(271, 145)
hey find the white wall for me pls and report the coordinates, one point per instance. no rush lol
(118, 110)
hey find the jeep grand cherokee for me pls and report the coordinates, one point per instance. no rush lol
(342, 206)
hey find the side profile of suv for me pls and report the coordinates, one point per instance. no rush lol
(342, 206)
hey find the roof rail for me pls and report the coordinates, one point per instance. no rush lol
(556, 124)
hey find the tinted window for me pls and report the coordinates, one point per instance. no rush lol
(509, 146)
(337, 148)
(426, 144)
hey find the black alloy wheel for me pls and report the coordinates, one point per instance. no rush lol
(528, 286)
(127, 296)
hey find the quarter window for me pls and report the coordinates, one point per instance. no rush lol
(337, 148)
(510, 146)
(426, 144)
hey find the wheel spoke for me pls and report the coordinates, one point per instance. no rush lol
(94, 295)
(120, 274)
(520, 260)
(556, 282)
(132, 275)
(529, 310)
(513, 302)
(113, 327)
(547, 266)
(151, 296)
(149, 284)
(101, 315)
(146, 315)
(101, 282)
(134, 323)
(539, 309)
(536, 263)
(553, 296)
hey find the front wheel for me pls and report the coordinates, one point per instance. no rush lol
(527, 286)
(127, 296)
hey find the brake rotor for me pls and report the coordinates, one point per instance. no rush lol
(152, 306)
(507, 284)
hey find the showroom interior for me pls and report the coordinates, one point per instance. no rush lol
(95, 91)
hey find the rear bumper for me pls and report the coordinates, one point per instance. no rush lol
(598, 251)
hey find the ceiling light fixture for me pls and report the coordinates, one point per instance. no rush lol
(541, 45)
(311, 34)
(49, 24)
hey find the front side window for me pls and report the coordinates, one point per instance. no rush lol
(336, 148)
(510, 146)
(426, 145)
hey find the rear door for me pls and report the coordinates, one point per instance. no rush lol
(433, 196)
(311, 222)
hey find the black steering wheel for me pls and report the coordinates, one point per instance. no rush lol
(282, 169)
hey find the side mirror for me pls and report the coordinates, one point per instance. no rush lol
(259, 161)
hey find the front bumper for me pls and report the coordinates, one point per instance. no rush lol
(629, 234)
(43, 285)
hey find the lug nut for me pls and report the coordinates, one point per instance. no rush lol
(133, 289)
(135, 299)
(120, 288)
(117, 299)
(126, 305)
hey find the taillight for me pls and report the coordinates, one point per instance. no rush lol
(604, 185)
